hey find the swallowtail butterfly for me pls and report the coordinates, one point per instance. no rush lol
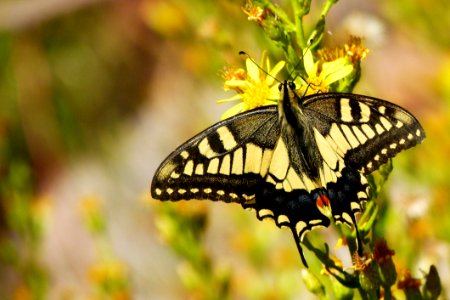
(289, 160)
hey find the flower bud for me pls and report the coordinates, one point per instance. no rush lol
(341, 292)
(432, 288)
(313, 283)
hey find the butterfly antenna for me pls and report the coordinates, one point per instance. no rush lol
(299, 247)
(256, 64)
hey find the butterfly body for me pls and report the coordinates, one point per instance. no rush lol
(289, 162)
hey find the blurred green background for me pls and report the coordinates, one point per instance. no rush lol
(94, 94)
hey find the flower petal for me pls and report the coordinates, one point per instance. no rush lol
(273, 73)
(235, 83)
(238, 108)
(338, 75)
(234, 98)
(308, 62)
(252, 70)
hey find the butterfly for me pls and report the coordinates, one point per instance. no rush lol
(293, 161)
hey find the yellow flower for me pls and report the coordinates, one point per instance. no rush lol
(257, 88)
(353, 50)
(321, 74)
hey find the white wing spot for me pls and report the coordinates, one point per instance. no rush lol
(253, 158)
(382, 109)
(385, 123)
(393, 146)
(379, 128)
(158, 192)
(225, 165)
(287, 186)
(194, 190)
(410, 136)
(184, 154)
(207, 190)
(384, 151)
(361, 137)
(418, 133)
(328, 154)
(294, 180)
(308, 183)
(402, 141)
(350, 136)
(189, 168)
(213, 166)
(346, 110)
(369, 165)
(181, 191)
(175, 175)
(368, 131)
(238, 162)
(248, 197)
(315, 222)
(199, 169)
(282, 219)
(299, 227)
(265, 163)
(399, 124)
(233, 195)
(361, 195)
(220, 192)
(280, 161)
(365, 112)
(339, 139)
(262, 213)
(334, 146)
(205, 149)
(347, 218)
(227, 138)
(169, 191)
(355, 206)
(377, 157)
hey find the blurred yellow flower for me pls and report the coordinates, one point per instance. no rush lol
(112, 279)
(256, 89)
(91, 211)
(107, 270)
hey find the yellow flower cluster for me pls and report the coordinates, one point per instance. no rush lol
(255, 87)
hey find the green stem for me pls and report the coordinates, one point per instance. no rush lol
(300, 10)
(326, 7)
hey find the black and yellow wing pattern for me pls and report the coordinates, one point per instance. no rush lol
(290, 160)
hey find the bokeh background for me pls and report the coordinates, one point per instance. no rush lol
(95, 93)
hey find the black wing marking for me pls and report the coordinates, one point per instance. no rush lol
(224, 162)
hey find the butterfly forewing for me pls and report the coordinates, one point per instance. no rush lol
(226, 162)
(364, 131)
